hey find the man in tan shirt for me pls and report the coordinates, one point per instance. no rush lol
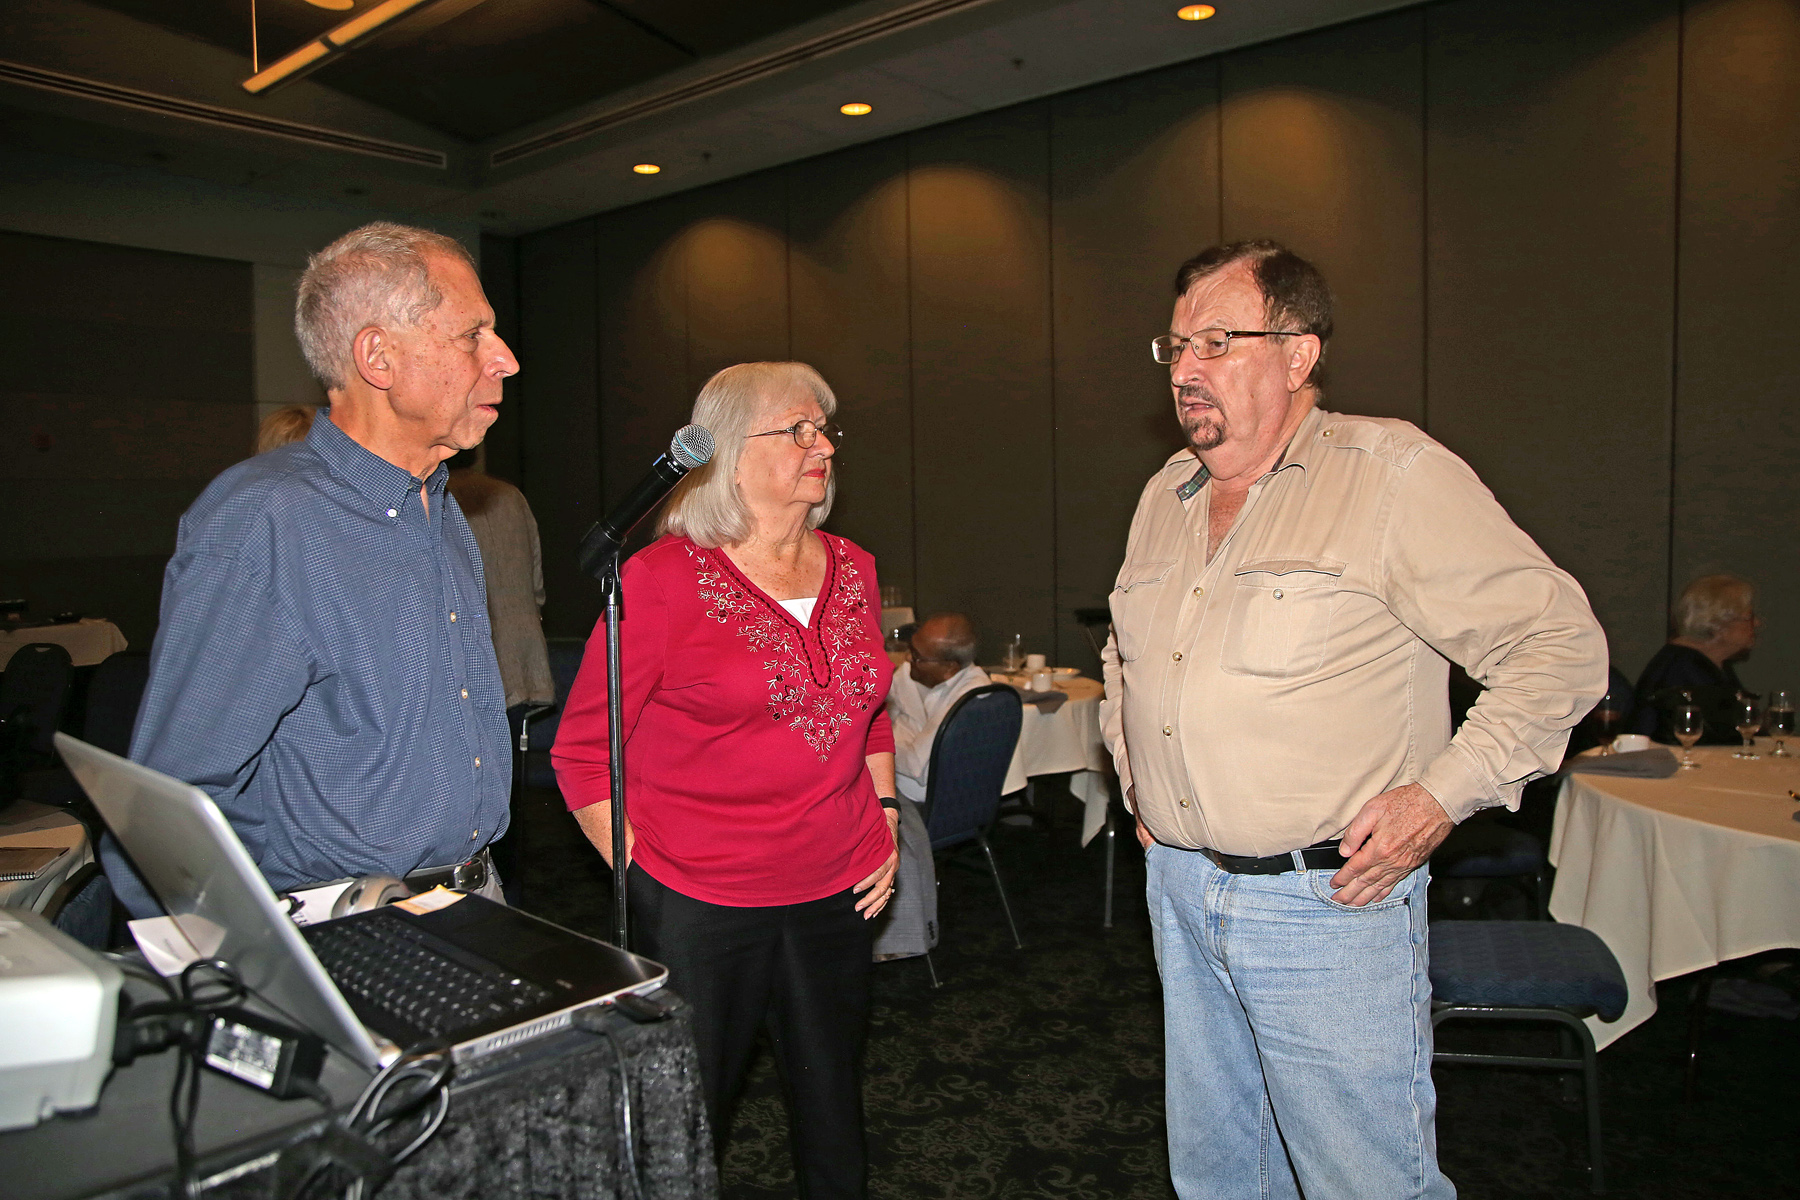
(1294, 584)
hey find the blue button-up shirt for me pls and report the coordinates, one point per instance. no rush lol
(324, 668)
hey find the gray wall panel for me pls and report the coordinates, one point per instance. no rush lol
(1737, 434)
(1135, 191)
(983, 428)
(1551, 302)
(848, 267)
(1323, 149)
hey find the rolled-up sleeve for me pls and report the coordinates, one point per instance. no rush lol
(1474, 587)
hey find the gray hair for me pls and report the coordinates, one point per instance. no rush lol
(707, 506)
(1710, 603)
(377, 275)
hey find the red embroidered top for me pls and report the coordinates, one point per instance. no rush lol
(746, 732)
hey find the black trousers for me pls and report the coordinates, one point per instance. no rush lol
(800, 971)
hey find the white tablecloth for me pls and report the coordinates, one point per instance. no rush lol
(1679, 874)
(88, 640)
(1067, 740)
(28, 824)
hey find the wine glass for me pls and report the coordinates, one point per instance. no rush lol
(1689, 725)
(1749, 721)
(1781, 721)
(1014, 656)
(1607, 714)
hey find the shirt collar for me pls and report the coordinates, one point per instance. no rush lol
(1297, 453)
(372, 476)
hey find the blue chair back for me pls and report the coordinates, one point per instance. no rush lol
(974, 746)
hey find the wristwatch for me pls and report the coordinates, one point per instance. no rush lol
(889, 802)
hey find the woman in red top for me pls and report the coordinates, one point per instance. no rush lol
(760, 765)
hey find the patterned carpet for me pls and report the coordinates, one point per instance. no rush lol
(1037, 1073)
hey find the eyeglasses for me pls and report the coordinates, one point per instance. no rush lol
(1208, 343)
(806, 433)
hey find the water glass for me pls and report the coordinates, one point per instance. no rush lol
(1748, 722)
(1689, 725)
(1781, 721)
(1607, 715)
(1013, 657)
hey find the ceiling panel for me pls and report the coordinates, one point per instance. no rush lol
(499, 65)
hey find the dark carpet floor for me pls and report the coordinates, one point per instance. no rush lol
(1038, 1073)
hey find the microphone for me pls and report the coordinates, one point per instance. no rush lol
(691, 447)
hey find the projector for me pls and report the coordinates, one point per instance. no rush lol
(59, 1005)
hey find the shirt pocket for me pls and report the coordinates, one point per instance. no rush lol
(1280, 620)
(1133, 602)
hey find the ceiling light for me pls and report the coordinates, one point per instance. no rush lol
(333, 5)
(334, 42)
(1195, 12)
(646, 168)
(856, 109)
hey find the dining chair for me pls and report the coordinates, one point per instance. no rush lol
(1529, 971)
(1487, 851)
(34, 696)
(969, 758)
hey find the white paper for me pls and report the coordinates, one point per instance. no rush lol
(170, 945)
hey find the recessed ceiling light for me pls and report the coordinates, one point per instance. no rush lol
(646, 168)
(856, 109)
(1195, 12)
(333, 5)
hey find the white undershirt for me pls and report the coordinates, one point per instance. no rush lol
(802, 609)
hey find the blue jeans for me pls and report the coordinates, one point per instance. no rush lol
(1298, 1036)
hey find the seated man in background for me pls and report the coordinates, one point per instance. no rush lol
(323, 668)
(939, 671)
(1714, 625)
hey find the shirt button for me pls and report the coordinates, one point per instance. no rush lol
(1277, 596)
(1199, 591)
(1168, 731)
(393, 512)
(1184, 802)
(453, 615)
(465, 693)
(478, 762)
(477, 833)
(1176, 656)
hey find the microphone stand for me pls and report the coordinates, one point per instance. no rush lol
(608, 575)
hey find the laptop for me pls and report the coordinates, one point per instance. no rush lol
(475, 975)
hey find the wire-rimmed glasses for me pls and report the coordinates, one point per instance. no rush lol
(1205, 343)
(805, 433)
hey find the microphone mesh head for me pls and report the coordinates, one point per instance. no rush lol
(692, 446)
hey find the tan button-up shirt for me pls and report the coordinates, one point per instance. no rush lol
(1254, 703)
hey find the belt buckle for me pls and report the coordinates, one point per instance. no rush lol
(470, 876)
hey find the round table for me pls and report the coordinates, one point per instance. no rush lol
(88, 640)
(1679, 874)
(1067, 740)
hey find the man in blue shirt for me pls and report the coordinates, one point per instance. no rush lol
(324, 668)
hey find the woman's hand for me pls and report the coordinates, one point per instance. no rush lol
(596, 821)
(880, 885)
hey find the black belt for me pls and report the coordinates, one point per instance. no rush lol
(1319, 857)
(469, 876)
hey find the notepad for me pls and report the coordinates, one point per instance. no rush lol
(27, 862)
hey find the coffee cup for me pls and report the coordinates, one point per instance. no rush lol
(1041, 680)
(1625, 743)
(1034, 663)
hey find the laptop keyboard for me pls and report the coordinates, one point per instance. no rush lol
(384, 965)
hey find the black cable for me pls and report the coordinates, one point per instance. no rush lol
(628, 1143)
(410, 1085)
